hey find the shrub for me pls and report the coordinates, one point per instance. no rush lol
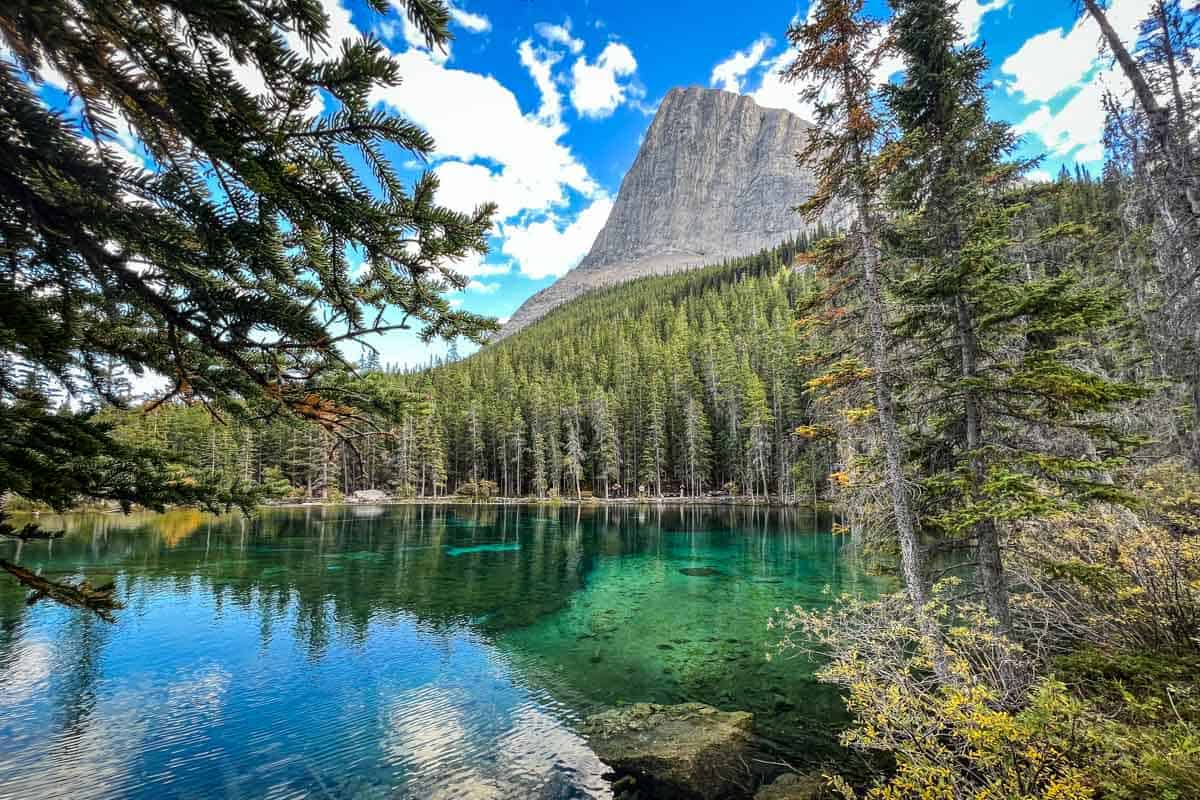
(1095, 727)
(275, 485)
(959, 737)
(1109, 577)
(16, 504)
(1095, 695)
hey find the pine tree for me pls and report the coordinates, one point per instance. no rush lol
(1153, 158)
(607, 448)
(223, 266)
(654, 440)
(1004, 370)
(758, 433)
(538, 448)
(573, 454)
(697, 449)
(839, 50)
(474, 441)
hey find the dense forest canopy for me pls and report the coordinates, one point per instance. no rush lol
(678, 384)
(698, 383)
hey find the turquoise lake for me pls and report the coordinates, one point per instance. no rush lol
(399, 651)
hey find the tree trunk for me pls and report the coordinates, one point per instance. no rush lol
(1183, 184)
(912, 556)
(989, 562)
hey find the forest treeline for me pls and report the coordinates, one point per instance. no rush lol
(685, 385)
(674, 385)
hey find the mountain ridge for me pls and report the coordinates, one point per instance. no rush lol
(715, 178)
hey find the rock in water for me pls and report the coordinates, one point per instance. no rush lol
(715, 178)
(689, 751)
(369, 496)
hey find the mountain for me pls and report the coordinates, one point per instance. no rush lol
(715, 178)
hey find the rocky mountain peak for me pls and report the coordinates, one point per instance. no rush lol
(715, 178)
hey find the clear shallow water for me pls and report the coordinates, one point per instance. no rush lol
(404, 651)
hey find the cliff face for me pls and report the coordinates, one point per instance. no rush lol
(716, 177)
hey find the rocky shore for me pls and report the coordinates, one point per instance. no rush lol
(692, 751)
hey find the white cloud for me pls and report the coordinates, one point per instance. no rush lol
(339, 28)
(475, 23)
(474, 266)
(416, 40)
(970, 15)
(1054, 61)
(1076, 130)
(387, 29)
(728, 74)
(1050, 63)
(487, 149)
(544, 249)
(485, 124)
(1040, 175)
(540, 63)
(465, 185)
(123, 150)
(559, 34)
(1067, 69)
(774, 92)
(596, 89)
(483, 288)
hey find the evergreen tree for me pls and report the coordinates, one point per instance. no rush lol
(839, 49)
(1003, 351)
(573, 454)
(607, 448)
(654, 440)
(538, 448)
(223, 265)
(758, 430)
(1152, 164)
(697, 446)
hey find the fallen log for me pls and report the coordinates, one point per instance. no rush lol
(100, 599)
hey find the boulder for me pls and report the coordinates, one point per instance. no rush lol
(791, 786)
(689, 751)
(369, 496)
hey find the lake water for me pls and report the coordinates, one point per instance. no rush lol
(397, 652)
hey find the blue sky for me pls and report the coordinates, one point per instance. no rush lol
(575, 84)
(540, 106)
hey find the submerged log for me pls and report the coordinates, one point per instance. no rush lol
(100, 599)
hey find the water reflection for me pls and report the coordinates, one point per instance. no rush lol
(424, 651)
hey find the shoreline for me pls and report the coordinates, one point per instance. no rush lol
(454, 500)
(598, 502)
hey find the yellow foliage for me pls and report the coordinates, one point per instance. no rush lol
(858, 416)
